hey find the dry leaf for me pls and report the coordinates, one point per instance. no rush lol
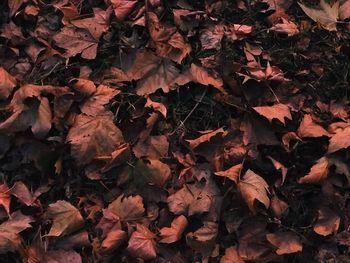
(66, 218)
(285, 242)
(93, 137)
(231, 173)
(327, 15)
(308, 128)
(277, 111)
(142, 243)
(318, 172)
(127, 208)
(231, 255)
(113, 240)
(337, 142)
(174, 232)
(7, 84)
(327, 222)
(203, 239)
(252, 188)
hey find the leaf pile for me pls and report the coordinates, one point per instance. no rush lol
(174, 131)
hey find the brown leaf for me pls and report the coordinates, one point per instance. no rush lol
(252, 188)
(66, 218)
(78, 240)
(7, 84)
(285, 26)
(5, 197)
(327, 222)
(203, 239)
(153, 172)
(10, 229)
(168, 41)
(127, 208)
(113, 240)
(157, 106)
(231, 255)
(93, 137)
(277, 111)
(174, 232)
(278, 206)
(23, 194)
(76, 41)
(337, 142)
(94, 105)
(207, 135)
(62, 256)
(285, 242)
(83, 86)
(318, 172)
(155, 147)
(326, 15)
(344, 10)
(122, 8)
(231, 173)
(308, 128)
(142, 243)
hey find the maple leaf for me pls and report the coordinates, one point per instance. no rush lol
(84, 86)
(142, 243)
(174, 232)
(66, 218)
(337, 142)
(127, 208)
(152, 172)
(7, 84)
(76, 41)
(168, 41)
(92, 137)
(327, 15)
(318, 172)
(327, 222)
(278, 206)
(160, 107)
(155, 147)
(308, 128)
(10, 229)
(20, 190)
(62, 256)
(231, 173)
(252, 188)
(277, 111)
(285, 242)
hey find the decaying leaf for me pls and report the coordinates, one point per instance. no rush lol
(7, 84)
(203, 239)
(66, 218)
(231, 173)
(174, 232)
(338, 141)
(285, 242)
(142, 243)
(254, 188)
(327, 222)
(308, 128)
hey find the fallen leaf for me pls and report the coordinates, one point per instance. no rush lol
(344, 10)
(285, 26)
(174, 232)
(231, 173)
(20, 190)
(231, 255)
(7, 84)
(337, 142)
(142, 243)
(253, 187)
(128, 208)
(66, 218)
(92, 137)
(62, 256)
(122, 8)
(327, 15)
(203, 239)
(206, 137)
(113, 240)
(168, 41)
(327, 222)
(277, 111)
(5, 197)
(152, 172)
(308, 128)
(155, 147)
(318, 172)
(285, 242)
(76, 41)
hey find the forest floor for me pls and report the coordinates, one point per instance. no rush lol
(174, 131)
